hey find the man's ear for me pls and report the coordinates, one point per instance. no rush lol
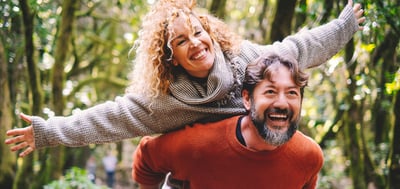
(246, 99)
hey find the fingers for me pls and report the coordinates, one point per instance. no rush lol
(356, 7)
(15, 140)
(25, 118)
(360, 21)
(21, 135)
(350, 2)
(18, 131)
(26, 152)
(358, 12)
(359, 16)
(19, 146)
(23, 139)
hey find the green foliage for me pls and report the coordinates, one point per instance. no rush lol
(394, 86)
(75, 178)
(333, 173)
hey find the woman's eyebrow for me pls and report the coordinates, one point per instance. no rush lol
(177, 37)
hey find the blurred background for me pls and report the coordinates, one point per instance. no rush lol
(58, 57)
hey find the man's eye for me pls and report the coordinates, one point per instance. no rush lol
(197, 33)
(269, 92)
(293, 93)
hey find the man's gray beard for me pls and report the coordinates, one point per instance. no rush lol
(274, 138)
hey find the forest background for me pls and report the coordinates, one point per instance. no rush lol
(57, 57)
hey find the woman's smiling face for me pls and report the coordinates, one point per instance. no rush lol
(192, 46)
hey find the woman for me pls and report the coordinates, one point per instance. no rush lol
(188, 68)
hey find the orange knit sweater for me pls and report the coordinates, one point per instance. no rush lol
(210, 156)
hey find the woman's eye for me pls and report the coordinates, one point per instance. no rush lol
(180, 42)
(197, 33)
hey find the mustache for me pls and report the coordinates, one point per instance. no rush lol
(285, 111)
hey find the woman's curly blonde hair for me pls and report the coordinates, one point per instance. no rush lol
(153, 70)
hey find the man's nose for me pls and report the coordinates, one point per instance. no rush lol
(281, 101)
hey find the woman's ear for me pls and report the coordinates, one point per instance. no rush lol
(174, 62)
(246, 99)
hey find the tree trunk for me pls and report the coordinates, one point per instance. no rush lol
(34, 78)
(56, 161)
(61, 51)
(386, 52)
(25, 173)
(352, 125)
(262, 20)
(394, 159)
(352, 146)
(301, 16)
(384, 59)
(218, 8)
(328, 6)
(7, 157)
(281, 26)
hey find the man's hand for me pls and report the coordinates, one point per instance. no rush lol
(22, 138)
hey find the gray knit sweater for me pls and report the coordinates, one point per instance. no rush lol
(129, 115)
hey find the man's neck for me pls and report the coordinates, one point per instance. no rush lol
(252, 138)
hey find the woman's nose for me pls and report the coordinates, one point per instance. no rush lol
(195, 42)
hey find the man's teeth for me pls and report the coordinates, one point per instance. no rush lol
(278, 116)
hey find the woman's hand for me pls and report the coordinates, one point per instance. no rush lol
(22, 138)
(358, 12)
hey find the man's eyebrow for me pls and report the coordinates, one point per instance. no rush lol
(294, 87)
(272, 85)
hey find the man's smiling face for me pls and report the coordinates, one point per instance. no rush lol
(275, 106)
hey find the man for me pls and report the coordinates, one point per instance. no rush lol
(262, 149)
(110, 164)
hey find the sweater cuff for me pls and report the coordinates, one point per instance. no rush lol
(39, 132)
(349, 17)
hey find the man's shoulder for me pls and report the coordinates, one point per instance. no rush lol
(215, 124)
(205, 131)
(305, 145)
(199, 131)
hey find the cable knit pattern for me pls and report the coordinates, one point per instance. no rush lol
(129, 116)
